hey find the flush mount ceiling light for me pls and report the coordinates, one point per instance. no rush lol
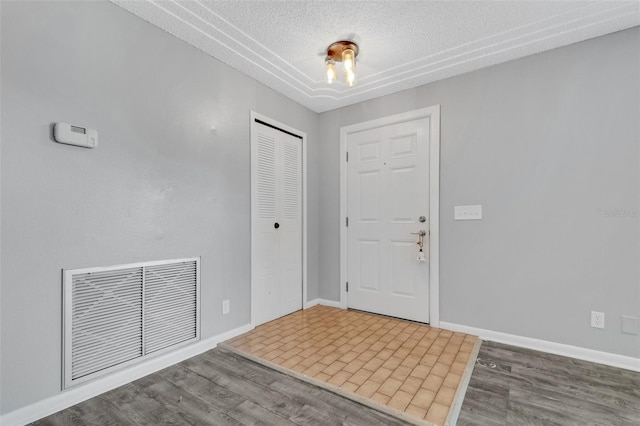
(345, 52)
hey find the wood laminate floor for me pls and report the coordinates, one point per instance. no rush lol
(218, 388)
(516, 386)
(509, 386)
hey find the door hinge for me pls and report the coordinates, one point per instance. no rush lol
(347, 286)
(347, 156)
(347, 221)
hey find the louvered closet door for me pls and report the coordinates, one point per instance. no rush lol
(276, 223)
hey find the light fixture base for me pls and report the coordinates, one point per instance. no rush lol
(334, 51)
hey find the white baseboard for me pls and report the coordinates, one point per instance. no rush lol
(310, 304)
(81, 393)
(606, 358)
(323, 302)
(331, 303)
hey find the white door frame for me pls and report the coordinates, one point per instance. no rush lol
(433, 113)
(303, 135)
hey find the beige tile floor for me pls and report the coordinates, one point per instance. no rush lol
(411, 368)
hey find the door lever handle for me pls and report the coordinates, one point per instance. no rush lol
(422, 233)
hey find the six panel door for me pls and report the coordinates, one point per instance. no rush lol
(388, 192)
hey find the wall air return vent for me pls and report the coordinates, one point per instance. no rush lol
(119, 315)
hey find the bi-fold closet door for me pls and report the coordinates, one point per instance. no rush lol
(276, 213)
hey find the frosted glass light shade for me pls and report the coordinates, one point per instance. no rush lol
(331, 71)
(348, 60)
(349, 66)
(349, 77)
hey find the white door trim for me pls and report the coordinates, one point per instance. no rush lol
(303, 135)
(433, 113)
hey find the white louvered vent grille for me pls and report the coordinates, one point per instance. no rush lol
(119, 315)
(170, 305)
(106, 326)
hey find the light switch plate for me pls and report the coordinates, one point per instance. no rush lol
(467, 212)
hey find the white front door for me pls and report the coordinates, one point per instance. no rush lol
(276, 217)
(387, 206)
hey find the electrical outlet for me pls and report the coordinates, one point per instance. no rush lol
(226, 307)
(629, 324)
(597, 319)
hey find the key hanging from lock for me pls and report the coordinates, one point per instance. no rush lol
(421, 257)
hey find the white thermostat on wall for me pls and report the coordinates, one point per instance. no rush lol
(75, 135)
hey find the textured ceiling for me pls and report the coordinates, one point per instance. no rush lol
(403, 44)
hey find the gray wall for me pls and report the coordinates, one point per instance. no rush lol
(161, 184)
(548, 145)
